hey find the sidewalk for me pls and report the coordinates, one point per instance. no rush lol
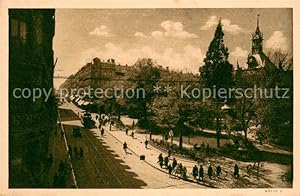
(136, 146)
(270, 175)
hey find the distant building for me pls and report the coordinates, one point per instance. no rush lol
(258, 62)
(99, 74)
(257, 58)
(31, 32)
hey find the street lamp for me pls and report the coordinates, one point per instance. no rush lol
(225, 107)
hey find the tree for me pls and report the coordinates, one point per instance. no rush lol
(146, 74)
(171, 111)
(244, 107)
(276, 115)
(217, 71)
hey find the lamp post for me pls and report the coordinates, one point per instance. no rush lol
(225, 107)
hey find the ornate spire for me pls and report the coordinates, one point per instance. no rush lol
(257, 39)
(257, 26)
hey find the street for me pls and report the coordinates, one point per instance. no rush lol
(105, 164)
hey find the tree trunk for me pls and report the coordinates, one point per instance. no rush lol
(245, 132)
(180, 138)
(218, 131)
(145, 111)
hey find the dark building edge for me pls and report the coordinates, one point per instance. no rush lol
(31, 33)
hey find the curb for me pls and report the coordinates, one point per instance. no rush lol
(188, 180)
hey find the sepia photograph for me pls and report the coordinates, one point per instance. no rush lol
(150, 98)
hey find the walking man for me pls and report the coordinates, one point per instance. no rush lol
(195, 172)
(169, 152)
(174, 164)
(125, 147)
(166, 161)
(126, 131)
(218, 171)
(170, 170)
(146, 143)
(201, 173)
(102, 132)
(160, 160)
(209, 171)
(184, 171)
(236, 171)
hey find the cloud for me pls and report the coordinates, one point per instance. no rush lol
(240, 55)
(212, 21)
(157, 34)
(174, 30)
(189, 58)
(226, 25)
(101, 31)
(140, 35)
(277, 41)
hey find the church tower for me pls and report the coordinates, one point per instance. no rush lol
(257, 58)
(257, 40)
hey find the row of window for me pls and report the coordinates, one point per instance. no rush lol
(19, 29)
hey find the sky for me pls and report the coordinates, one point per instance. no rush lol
(177, 38)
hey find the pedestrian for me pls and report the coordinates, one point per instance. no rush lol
(146, 143)
(81, 152)
(133, 124)
(183, 174)
(160, 160)
(218, 171)
(125, 147)
(209, 171)
(150, 135)
(102, 132)
(201, 173)
(236, 171)
(195, 172)
(170, 170)
(166, 160)
(174, 163)
(180, 167)
(96, 117)
(169, 152)
(126, 131)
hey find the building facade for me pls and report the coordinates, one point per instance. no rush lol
(99, 74)
(31, 65)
